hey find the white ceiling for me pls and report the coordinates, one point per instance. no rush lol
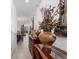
(25, 9)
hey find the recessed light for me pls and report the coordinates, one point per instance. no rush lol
(26, 1)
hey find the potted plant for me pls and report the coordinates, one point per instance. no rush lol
(46, 36)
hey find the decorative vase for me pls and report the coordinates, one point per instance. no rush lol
(47, 39)
(47, 25)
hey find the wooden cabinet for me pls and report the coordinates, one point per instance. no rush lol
(36, 51)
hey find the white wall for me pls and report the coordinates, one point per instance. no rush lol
(44, 3)
(13, 27)
(24, 20)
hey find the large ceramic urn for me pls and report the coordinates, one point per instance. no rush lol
(47, 39)
(47, 25)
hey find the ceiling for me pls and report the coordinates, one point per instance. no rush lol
(25, 9)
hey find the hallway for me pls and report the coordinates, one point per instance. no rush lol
(22, 50)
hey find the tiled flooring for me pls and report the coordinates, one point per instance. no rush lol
(22, 50)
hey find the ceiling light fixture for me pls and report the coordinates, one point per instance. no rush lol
(26, 1)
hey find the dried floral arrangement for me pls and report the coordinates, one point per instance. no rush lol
(49, 22)
(61, 28)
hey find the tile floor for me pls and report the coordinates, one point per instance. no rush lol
(22, 50)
